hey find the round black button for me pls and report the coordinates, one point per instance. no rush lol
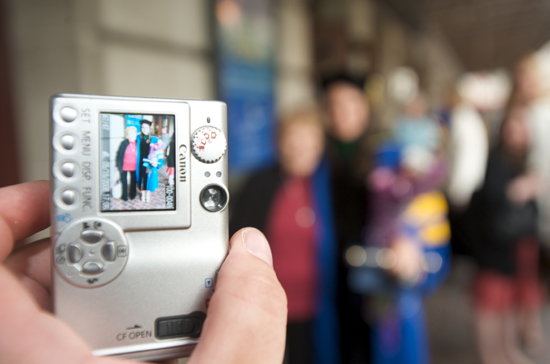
(213, 198)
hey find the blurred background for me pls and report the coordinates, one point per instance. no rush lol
(267, 58)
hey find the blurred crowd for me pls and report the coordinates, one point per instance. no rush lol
(360, 219)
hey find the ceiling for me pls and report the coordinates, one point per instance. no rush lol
(485, 34)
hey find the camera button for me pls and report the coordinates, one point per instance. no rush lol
(91, 236)
(213, 198)
(68, 114)
(208, 144)
(108, 251)
(68, 169)
(92, 268)
(68, 197)
(67, 141)
(74, 253)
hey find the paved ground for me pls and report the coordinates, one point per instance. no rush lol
(450, 320)
(157, 200)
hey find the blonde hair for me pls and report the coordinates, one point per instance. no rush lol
(305, 116)
(128, 129)
(533, 64)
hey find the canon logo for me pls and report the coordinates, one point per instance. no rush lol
(182, 163)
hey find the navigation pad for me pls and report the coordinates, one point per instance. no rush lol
(91, 252)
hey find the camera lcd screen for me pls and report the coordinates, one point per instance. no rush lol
(137, 159)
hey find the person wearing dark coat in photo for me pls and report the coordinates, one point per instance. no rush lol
(143, 142)
(171, 159)
(507, 290)
(291, 204)
(126, 159)
(347, 121)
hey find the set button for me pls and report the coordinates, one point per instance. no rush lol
(68, 114)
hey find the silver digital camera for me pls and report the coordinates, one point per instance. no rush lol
(139, 220)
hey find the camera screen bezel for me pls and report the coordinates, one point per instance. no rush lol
(88, 121)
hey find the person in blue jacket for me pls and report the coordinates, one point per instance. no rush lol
(153, 162)
(406, 253)
(291, 204)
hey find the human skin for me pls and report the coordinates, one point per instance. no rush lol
(301, 147)
(246, 320)
(347, 112)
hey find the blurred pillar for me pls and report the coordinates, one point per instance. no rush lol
(8, 149)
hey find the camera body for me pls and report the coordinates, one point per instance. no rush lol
(139, 220)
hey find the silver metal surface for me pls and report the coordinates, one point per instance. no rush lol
(169, 255)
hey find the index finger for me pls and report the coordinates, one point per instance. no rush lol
(24, 211)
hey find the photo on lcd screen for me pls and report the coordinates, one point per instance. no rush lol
(137, 162)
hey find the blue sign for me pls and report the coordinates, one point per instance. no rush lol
(247, 81)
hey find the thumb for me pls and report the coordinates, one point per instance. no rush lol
(246, 320)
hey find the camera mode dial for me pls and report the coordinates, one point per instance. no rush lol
(208, 144)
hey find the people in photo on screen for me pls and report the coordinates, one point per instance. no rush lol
(126, 160)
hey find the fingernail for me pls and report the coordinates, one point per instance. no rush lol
(256, 244)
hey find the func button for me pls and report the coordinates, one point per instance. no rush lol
(91, 236)
(180, 326)
(67, 141)
(68, 197)
(92, 268)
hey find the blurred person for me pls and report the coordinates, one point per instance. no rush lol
(347, 118)
(291, 204)
(171, 159)
(415, 128)
(407, 238)
(531, 89)
(507, 291)
(126, 160)
(468, 151)
(143, 142)
(153, 162)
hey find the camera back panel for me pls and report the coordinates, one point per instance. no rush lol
(135, 262)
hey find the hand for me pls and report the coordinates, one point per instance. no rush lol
(408, 261)
(246, 320)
